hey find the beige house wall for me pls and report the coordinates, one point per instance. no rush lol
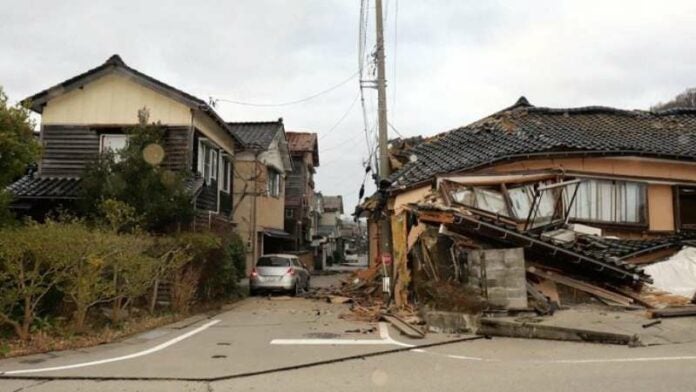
(628, 166)
(657, 173)
(111, 100)
(116, 98)
(269, 210)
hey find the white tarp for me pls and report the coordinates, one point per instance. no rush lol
(677, 274)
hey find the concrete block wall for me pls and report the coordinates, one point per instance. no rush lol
(499, 274)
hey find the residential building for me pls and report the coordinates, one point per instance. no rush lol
(629, 174)
(261, 167)
(330, 226)
(88, 113)
(299, 188)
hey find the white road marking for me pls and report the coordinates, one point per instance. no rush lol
(383, 339)
(116, 359)
(328, 342)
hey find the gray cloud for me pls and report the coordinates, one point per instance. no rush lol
(455, 61)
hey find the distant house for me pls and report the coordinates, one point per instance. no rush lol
(88, 114)
(299, 188)
(330, 224)
(259, 180)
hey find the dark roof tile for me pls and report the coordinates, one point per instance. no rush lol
(523, 130)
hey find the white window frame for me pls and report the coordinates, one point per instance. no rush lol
(207, 161)
(272, 187)
(103, 142)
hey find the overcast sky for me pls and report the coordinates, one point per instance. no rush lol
(448, 62)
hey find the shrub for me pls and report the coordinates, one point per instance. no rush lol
(32, 262)
(157, 198)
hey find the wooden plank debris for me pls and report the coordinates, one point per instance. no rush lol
(582, 286)
(679, 311)
(404, 327)
(337, 299)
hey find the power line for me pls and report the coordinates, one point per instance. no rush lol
(288, 103)
(394, 129)
(396, 41)
(343, 117)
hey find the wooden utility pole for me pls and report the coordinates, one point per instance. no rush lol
(385, 246)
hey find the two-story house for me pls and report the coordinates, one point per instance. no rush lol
(260, 171)
(299, 188)
(88, 113)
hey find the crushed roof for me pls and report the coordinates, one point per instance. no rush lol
(523, 130)
(304, 142)
(257, 134)
(115, 62)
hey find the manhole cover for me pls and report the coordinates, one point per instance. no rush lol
(224, 344)
(322, 335)
(218, 356)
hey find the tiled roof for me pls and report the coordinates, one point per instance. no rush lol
(304, 142)
(35, 187)
(31, 187)
(257, 134)
(333, 203)
(115, 62)
(523, 130)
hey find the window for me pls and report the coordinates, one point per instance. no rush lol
(273, 182)
(609, 201)
(207, 161)
(289, 213)
(225, 172)
(273, 261)
(113, 143)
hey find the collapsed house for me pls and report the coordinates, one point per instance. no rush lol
(533, 206)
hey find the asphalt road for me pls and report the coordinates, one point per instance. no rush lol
(301, 345)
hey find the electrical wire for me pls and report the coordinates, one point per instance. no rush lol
(343, 117)
(288, 103)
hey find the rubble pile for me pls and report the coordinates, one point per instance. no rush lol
(499, 250)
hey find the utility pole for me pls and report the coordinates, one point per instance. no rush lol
(385, 223)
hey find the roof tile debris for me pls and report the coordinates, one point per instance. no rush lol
(524, 130)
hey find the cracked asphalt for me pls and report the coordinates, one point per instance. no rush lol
(233, 350)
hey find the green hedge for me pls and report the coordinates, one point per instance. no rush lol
(83, 267)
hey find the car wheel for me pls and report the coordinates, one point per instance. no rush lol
(295, 290)
(253, 293)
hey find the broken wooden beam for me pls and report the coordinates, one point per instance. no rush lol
(496, 327)
(582, 286)
(404, 327)
(679, 311)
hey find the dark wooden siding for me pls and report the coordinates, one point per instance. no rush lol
(176, 147)
(207, 199)
(68, 149)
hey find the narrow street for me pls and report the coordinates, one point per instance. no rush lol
(303, 345)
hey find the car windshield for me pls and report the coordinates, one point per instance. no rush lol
(273, 261)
